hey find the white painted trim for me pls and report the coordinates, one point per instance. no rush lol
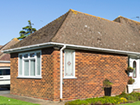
(4, 61)
(29, 77)
(27, 48)
(61, 71)
(35, 58)
(50, 44)
(70, 78)
(72, 62)
(5, 68)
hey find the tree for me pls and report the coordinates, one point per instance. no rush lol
(26, 31)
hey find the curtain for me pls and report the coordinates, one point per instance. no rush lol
(38, 63)
(26, 67)
(20, 65)
(32, 67)
(68, 63)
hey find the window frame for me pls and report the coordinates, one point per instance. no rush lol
(29, 58)
(69, 77)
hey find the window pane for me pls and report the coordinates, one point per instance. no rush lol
(69, 63)
(32, 54)
(26, 67)
(1, 72)
(6, 72)
(134, 66)
(26, 56)
(20, 65)
(38, 63)
(32, 68)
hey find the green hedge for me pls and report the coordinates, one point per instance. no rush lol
(106, 100)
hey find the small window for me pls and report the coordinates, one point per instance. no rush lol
(135, 69)
(4, 72)
(30, 64)
(69, 64)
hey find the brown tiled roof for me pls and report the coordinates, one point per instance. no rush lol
(83, 29)
(4, 56)
(0, 46)
(45, 34)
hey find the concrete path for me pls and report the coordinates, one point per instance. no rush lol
(33, 100)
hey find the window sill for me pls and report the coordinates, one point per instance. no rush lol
(29, 77)
(69, 77)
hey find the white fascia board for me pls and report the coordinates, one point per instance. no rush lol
(4, 61)
(27, 48)
(50, 44)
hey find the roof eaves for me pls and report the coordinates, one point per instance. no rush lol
(51, 44)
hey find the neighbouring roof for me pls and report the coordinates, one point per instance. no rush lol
(0, 46)
(4, 56)
(87, 30)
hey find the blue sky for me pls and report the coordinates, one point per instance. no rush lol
(14, 14)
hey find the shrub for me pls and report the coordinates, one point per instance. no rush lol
(128, 96)
(122, 98)
(107, 83)
(130, 69)
(131, 81)
(136, 95)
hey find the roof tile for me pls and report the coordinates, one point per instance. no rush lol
(83, 29)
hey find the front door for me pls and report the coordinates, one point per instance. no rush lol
(136, 73)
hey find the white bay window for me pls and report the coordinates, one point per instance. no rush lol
(29, 64)
(69, 63)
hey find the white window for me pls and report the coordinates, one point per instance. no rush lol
(29, 64)
(69, 64)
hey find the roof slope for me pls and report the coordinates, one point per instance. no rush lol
(4, 56)
(43, 35)
(82, 29)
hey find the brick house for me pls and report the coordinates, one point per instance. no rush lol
(5, 58)
(70, 57)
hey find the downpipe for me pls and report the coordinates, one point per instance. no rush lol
(61, 72)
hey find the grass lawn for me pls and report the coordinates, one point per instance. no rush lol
(135, 103)
(10, 101)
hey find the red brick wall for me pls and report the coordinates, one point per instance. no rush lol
(39, 88)
(91, 69)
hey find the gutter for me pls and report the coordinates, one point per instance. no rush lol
(51, 44)
(61, 72)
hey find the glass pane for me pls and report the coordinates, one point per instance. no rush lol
(1, 72)
(20, 65)
(32, 54)
(32, 68)
(69, 63)
(26, 56)
(38, 63)
(26, 67)
(6, 72)
(134, 66)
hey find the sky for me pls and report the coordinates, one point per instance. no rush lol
(14, 14)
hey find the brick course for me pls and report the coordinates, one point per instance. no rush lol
(39, 88)
(91, 69)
